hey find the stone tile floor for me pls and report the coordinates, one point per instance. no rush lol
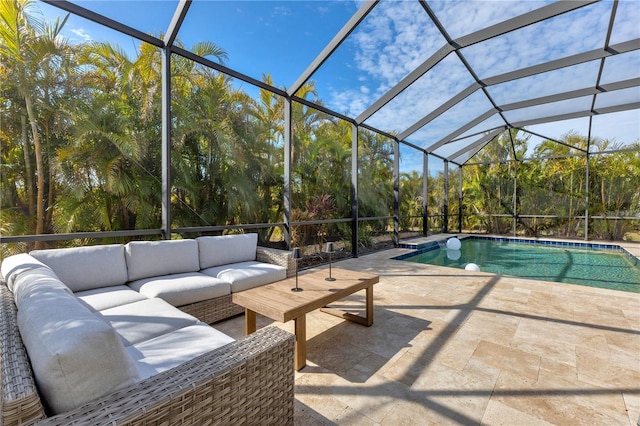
(450, 346)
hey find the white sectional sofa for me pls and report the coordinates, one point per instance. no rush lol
(98, 322)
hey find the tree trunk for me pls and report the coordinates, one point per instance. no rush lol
(50, 184)
(27, 167)
(39, 170)
(570, 206)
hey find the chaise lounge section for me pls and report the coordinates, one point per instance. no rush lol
(101, 335)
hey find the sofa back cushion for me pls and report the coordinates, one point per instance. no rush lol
(15, 265)
(153, 258)
(40, 282)
(227, 249)
(76, 357)
(86, 268)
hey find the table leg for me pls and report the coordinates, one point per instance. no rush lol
(367, 319)
(369, 302)
(301, 341)
(249, 321)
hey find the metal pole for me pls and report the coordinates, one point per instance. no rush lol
(460, 200)
(445, 207)
(586, 156)
(396, 193)
(586, 196)
(515, 199)
(354, 190)
(166, 143)
(425, 194)
(287, 172)
(515, 184)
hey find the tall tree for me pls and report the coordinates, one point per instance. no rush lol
(28, 45)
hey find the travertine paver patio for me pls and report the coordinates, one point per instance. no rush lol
(455, 347)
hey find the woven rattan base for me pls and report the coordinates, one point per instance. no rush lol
(213, 310)
(20, 399)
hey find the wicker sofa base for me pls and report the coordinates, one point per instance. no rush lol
(249, 381)
(213, 310)
(20, 399)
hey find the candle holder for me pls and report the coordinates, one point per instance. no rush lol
(296, 254)
(329, 249)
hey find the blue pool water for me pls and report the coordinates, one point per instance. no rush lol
(577, 265)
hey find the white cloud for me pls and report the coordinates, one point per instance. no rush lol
(427, 93)
(564, 79)
(465, 17)
(398, 36)
(492, 122)
(82, 33)
(624, 96)
(548, 110)
(626, 26)
(394, 39)
(621, 67)
(623, 127)
(464, 112)
(281, 11)
(564, 35)
(323, 10)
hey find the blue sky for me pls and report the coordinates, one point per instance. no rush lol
(283, 37)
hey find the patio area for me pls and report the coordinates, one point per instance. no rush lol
(456, 347)
(383, 121)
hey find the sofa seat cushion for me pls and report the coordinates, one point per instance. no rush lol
(182, 289)
(75, 356)
(246, 275)
(152, 258)
(139, 321)
(172, 349)
(103, 298)
(85, 268)
(225, 249)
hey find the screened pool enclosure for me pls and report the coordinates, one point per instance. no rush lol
(358, 122)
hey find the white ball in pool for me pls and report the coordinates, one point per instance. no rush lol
(453, 244)
(453, 254)
(472, 267)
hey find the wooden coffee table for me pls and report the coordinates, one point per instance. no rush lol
(279, 303)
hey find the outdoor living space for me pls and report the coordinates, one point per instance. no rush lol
(328, 134)
(449, 346)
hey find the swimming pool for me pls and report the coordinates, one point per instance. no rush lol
(594, 265)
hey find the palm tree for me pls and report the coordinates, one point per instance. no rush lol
(614, 181)
(113, 164)
(261, 130)
(218, 151)
(561, 172)
(375, 155)
(410, 199)
(32, 51)
(488, 188)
